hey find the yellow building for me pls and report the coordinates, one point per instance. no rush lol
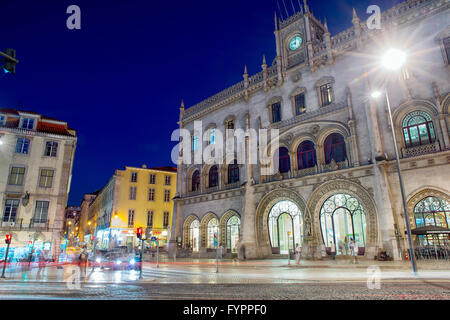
(133, 198)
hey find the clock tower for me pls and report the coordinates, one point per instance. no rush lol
(297, 38)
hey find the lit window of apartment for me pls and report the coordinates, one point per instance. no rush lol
(51, 148)
(166, 219)
(149, 219)
(46, 178)
(167, 180)
(16, 176)
(166, 195)
(11, 206)
(133, 193)
(41, 212)
(151, 194)
(131, 218)
(134, 176)
(152, 178)
(28, 124)
(22, 145)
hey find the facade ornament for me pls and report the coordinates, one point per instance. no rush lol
(26, 199)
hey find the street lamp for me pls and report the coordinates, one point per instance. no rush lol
(394, 59)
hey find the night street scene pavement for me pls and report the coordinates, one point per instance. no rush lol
(224, 159)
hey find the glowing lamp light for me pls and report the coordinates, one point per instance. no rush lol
(393, 59)
(6, 71)
(376, 94)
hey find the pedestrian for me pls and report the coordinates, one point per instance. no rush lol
(41, 263)
(298, 252)
(221, 251)
(355, 252)
(333, 250)
(83, 258)
(346, 245)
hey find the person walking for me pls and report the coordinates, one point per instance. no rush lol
(41, 263)
(333, 250)
(83, 261)
(298, 252)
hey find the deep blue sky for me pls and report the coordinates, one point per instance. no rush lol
(120, 79)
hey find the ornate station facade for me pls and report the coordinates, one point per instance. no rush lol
(338, 178)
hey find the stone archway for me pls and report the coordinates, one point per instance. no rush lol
(420, 195)
(223, 225)
(186, 228)
(263, 245)
(204, 228)
(330, 188)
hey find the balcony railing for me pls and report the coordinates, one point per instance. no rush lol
(39, 224)
(12, 225)
(421, 150)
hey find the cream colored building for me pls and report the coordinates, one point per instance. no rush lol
(36, 159)
(338, 175)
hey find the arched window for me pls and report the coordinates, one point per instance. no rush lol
(196, 181)
(285, 226)
(233, 227)
(284, 160)
(334, 148)
(233, 172)
(418, 129)
(213, 177)
(306, 155)
(432, 211)
(194, 235)
(213, 229)
(342, 219)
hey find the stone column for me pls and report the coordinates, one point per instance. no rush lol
(444, 130)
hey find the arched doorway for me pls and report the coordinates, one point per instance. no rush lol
(213, 233)
(343, 219)
(194, 235)
(433, 211)
(232, 230)
(285, 226)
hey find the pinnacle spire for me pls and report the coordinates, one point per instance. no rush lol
(325, 25)
(276, 21)
(182, 104)
(306, 6)
(245, 70)
(355, 16)
(264, 59)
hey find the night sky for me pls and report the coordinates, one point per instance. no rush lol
(120, 79)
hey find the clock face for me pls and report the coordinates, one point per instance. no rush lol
(295, 43)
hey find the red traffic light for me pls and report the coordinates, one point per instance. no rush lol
(8, 239)
(139, 233)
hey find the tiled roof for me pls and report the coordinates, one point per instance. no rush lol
(45, 124)
(169, 169)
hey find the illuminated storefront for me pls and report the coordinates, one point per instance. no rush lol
(194, 235)
(233, 229)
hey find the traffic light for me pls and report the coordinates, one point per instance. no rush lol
(8, 239)
(139, 233)
(10, 65)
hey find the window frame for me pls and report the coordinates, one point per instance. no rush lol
(27, 121)
(17, 174)
(151, 194)
(300, 153)
(428, 124)
(24, 139)
(150, 218)
(35, 217)
(215, 179)
(330, 148)
(131, 213)
(166, 218)
(11, 209)
(41, 176)
(52, 142)
(152, 178)
(133, 193)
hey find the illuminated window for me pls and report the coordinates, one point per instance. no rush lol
(343, 219)
(46, 178)
(16, 176)
(194, 235)
(285, 226)
(233, 229)
(131, 218)
(213, 233)
(418, 129)
(194, 143)
(326, 94)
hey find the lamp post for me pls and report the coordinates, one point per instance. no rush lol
(393, 60)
